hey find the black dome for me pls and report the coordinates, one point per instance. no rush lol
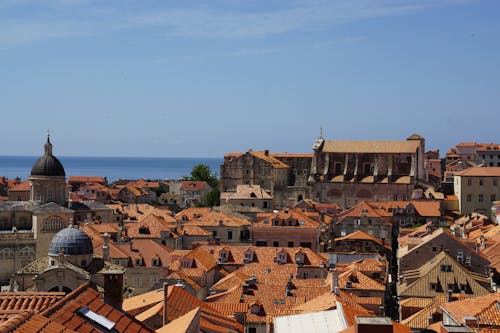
(48, 164)
(72, 241)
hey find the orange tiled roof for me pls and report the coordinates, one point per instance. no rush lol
(361, 209)
(24, 186)
(179, 303)
(286, 217)
(191, 185)
(207, 218)
(86, 179)
(64, 312)
(17, 302)
(150, 226)
(390, 147)
(479, 171)
(37, 323)
(485, 309)
(359, 281)
(361, 235)
(264, 155)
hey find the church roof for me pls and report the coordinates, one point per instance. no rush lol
(393, 147)
(72, 241)
(48, 164)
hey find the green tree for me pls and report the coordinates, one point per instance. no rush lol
(213, 198)
(202, 172)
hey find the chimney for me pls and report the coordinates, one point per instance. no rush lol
(113, 288)
(105, 247)
(373, 324)
(334, 282)
(266, 152)
(165, 296)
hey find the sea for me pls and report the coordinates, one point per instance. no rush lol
(113, 168)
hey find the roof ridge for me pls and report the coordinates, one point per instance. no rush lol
(60, 303)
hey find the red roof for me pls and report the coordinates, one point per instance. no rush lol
(193, 185)
(65, 312)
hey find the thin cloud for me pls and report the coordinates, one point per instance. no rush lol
(236, 53)
(56, 19)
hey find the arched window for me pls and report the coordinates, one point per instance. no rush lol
(4, 253)
(26, 252)
(52, 224)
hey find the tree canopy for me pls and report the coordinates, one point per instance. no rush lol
(202, 172)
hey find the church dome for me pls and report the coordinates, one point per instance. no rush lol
(72, 241)
(48, 164)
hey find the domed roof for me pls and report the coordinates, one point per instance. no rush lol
(72, 241)
(48, 164)
(415, 136)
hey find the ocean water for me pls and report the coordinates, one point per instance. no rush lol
(113, 168)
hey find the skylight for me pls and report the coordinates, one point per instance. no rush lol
(96, 318)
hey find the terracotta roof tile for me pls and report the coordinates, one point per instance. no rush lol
(417, 283)
(480, 171)
(407, 146)
(64, 312)
(24, 186)
(191, 185)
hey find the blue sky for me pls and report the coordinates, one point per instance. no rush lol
(204, 78)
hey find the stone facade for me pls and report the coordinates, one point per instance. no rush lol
(284, 176)
(477, 188)
(347, 172)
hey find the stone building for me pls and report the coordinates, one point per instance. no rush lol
(27, 227)
(477, 188)
(283, 175)
(347, 172)
(69, 264)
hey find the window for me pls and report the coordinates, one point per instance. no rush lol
(357, 221)
(276, 244)
(468, 261)
(493, 197)
(480, 197)
(137, 281)
(214, 233)
(469, 197)
(446, 268)
(4, 253)
(306, 244)
(434, 249)
(481, 182)
(304, 172)
(494, 180)
(261, 243)
(229, 235)
(52, 224)
(50, 195)
(290, 244)
(469, 182)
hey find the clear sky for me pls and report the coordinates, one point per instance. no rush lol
(204, 78)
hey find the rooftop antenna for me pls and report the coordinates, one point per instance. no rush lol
(321, 132)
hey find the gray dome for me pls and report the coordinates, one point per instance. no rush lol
(72, 241)
(48, 164)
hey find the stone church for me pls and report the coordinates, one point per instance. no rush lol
(348, 172)
(27, 227)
